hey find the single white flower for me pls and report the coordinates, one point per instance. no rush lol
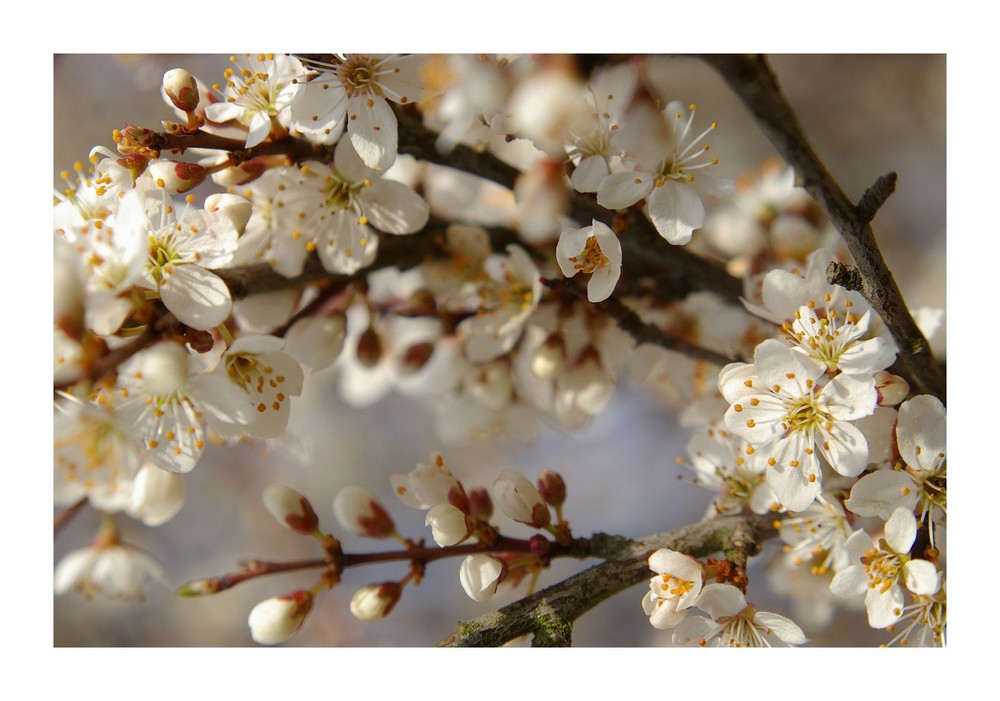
(109, 568)
(779, 405)
(519, 499)
(666, 177)
(885, 569)
(721, 464)
(353, 90)
(258, 94)
(594, 250)
(675, 588)
(428, 485)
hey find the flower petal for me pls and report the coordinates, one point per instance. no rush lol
(676, 210)
(372, 127)
(197, 297)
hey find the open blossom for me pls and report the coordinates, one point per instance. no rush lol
(779, 405)
(835, 337)
(721, 463)
(666, 177)
(353, 90)
(883, 570)
(734, 623)
(675, 588)
(181, 252)
(258, 94)
(109, 568)
(336, 209)
(594, 250)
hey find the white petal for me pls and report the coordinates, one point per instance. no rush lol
(844, 447)
(849, 583)
(921, 431)
(922, 577)
(260, 127)
(621, 190)
(782, 627)
(588, 176)
(372, 128)
(901, 530)
(197, 297)
(602, 283)
(394, 208)
(881, 493)
(719, 600)
(884, 608)
(676, 211)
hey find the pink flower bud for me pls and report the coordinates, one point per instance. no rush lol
(177, 177)
(481, 575)
(519, 500)
(892, 389)
(182, 89)
(291, 509)
(480, 504)
(375, 601)
(277, 619)
(552, 488)
(359, 511)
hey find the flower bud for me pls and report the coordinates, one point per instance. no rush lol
(552, 488)
(550, 358)
(892, 389)
(448, 524)
(291, 509)
(416, 356)
(421, 303)
(316, 341)
(242, 174)
(200, 587)
(375, 601)
(135, 164)
(176, 177)
(133, 139)
(519, 500)
(233, 207)
(157, 495)
(369, 349)
(277, 619)
(182, 89)
(480, 504)
(359, 511)
(481, 575)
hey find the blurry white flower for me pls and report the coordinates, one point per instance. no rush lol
(277, 619)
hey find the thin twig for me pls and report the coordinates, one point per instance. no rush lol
(66, 515)
(566, 601)
(753, 81)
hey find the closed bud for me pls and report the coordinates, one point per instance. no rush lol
(481, 576)
(550, 358)
(177, 177)
(275, 620)
(449, 526)
(133, 138)
(135, 164)
(199, 341)
(369, 349)
(182, 89)
(519, 500)
(480, 504)
(375, 601)
(291, 509)
(359, 511)
(200, 587)
(233, 207)
(242, 174)
(421, 303)
(891, 389)
(552, 488)
(416, 356)
(539, 544)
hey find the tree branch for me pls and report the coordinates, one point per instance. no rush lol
(550, 612)
(752, 79)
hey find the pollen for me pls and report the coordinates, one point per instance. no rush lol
(751, 423)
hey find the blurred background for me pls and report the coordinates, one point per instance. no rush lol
(864, 114)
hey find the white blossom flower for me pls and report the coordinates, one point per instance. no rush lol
(167, 400)
(181, 252)
(277, 619)
(922, 623)
(675, 588)
(449, 524)
(113, 570)
(258, 95)
(722, 464)
(353, 89)
(835, 338)
(332, 207)
(780, 406)
(817, 536)
(885, 569)
(734, 623)
(428, 485)
(594, 250)
(666, 178)
(508, 298)
(268, 377)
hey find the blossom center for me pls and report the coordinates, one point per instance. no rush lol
(591, 258)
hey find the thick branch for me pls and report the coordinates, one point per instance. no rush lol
(556, 607)
(751, 78)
